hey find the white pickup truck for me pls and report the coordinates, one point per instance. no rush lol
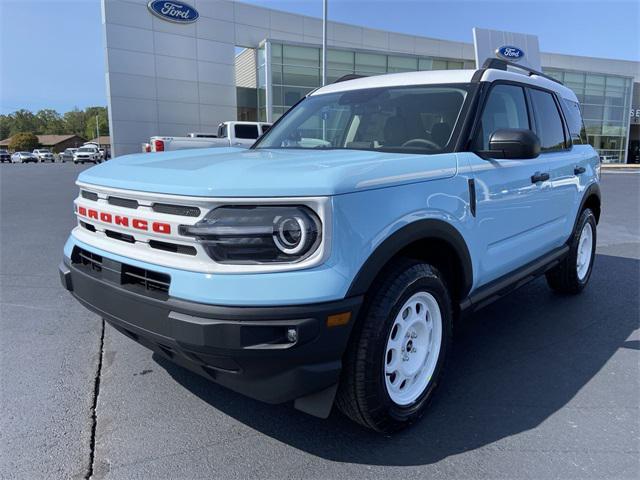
(230, 134)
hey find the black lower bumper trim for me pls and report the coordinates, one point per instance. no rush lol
(248, 349)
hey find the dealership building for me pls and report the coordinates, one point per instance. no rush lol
(176, 67)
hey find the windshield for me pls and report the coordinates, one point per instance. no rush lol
(416, 119)
(87, 149)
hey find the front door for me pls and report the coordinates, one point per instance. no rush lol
(511, 206)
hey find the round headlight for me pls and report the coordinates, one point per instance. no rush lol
(290, 234)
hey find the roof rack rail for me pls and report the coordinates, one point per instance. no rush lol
(348, 76)
(499, 64)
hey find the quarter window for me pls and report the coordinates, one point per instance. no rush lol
(548, 122)
(574, 119)
(505, 108)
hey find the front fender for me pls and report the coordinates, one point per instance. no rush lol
(405, 236)
(373, 226)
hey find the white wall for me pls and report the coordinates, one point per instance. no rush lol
(161, 75)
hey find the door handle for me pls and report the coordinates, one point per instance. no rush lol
(579, 170)
(539, 177)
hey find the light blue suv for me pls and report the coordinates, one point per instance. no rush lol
(328, 263)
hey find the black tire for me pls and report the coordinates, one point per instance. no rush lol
(564, 277)
(362, 394)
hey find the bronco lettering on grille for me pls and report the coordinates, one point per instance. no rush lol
(123, 221)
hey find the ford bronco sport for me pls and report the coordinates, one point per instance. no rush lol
(327, 263)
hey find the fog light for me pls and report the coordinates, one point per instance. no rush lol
(292, 335)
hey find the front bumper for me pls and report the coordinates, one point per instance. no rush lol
(243, 348)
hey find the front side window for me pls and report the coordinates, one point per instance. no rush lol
(548, 122)
(505, 108)
(416, 119)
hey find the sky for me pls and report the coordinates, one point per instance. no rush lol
(52, 54)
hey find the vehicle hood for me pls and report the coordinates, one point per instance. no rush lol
(237, 172)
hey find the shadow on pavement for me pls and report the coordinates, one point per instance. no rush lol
(516, 363)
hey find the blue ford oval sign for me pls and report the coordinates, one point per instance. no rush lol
(173, 11)
(510, 53)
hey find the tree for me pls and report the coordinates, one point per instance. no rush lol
(74, 122)
(50, 122)
(23, 121)
(103, 122)
(5, 126)
(23, 142)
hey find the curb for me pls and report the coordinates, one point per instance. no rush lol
(620, 166)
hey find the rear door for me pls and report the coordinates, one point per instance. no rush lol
(561, 163)
(510, 208)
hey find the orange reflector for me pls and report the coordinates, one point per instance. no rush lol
(338, 319)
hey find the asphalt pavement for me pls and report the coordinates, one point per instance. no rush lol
(540, 385)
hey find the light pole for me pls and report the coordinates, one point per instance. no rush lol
(324, 42)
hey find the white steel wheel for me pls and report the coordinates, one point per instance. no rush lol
(413, 348)
(585, 248)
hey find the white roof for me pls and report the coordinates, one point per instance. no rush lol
(492, 75)
(432, 77)
(429, 77)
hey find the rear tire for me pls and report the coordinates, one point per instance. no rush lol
(574, 272)
(398, 348)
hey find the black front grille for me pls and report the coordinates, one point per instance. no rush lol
(120, 236)
(151, 281)
(123, 202)
(88, 226)
(173, 247)
(89, 195)
(170, 209)
(139, 280)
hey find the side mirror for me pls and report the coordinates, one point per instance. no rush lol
(513, 143)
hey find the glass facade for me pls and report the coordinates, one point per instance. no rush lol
(291, 71)
(606, 106)
(296, 70)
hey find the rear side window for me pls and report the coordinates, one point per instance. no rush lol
(246, 131)
(574, 119)
(505, 108)
(548, 121)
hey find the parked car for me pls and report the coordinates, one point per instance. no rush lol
(24, 157)
(44, 155)
(68, 154)
(87, 153)
(329, 263)
(230, 134)
(5, 156)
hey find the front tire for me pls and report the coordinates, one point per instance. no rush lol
(574, 272)
(398, 349)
